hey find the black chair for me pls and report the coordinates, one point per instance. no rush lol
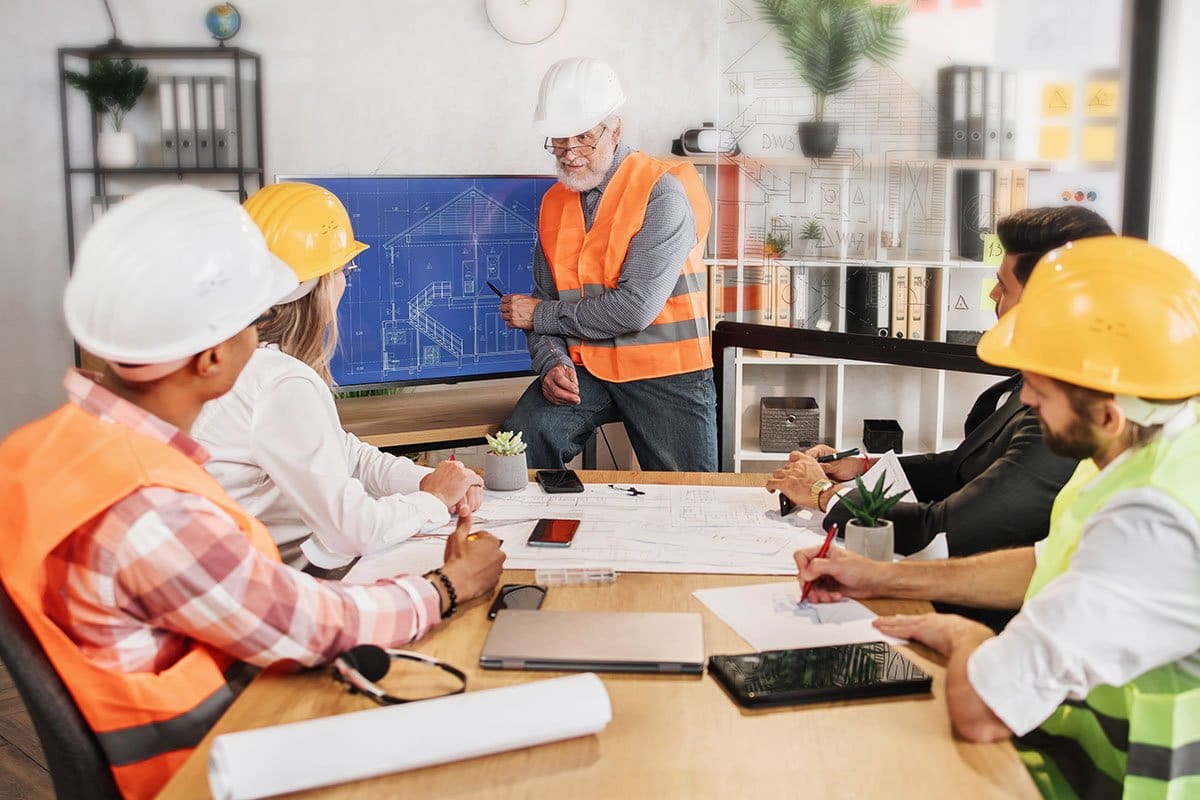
(78, 766)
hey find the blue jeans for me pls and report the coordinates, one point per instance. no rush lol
(671, 421)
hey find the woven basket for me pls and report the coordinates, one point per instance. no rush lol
(788, 423)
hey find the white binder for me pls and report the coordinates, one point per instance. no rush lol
(166, 108)
(187, 127)
(202, 91)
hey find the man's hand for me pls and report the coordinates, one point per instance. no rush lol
(449, 482)
(561, 385)
(844, 469)
(840, 574)
(796, 479)
(942, 633)
(474, 561)
(517, 310)
(472, 501)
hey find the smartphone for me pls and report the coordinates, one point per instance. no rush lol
(559, 481)
(553, 533)
(492, 286)
(526, 596)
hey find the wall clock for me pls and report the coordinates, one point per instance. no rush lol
(526, 21)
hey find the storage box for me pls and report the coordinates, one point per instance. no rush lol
(788, 423)
(881, 435)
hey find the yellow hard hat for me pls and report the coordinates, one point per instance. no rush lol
(306, 226)
(1109, 313)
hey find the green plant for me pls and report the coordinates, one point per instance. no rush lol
(775, 244)
(826, 39)
(112, 87)
(505, 443)
(872, 503)
(810, 230)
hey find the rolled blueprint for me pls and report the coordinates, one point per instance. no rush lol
(366, 744)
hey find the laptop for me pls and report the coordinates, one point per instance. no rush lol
(601, 641)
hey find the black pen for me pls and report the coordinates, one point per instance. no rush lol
(492, 286)
(786, 506)
(853, 451)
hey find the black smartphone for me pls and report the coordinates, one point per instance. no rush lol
(553, 533)
(559, 481)
(526, 596)
(492, 286)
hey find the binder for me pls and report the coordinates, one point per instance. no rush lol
(202, 92)
(800, 299)
(916, 303)
(973, 209)
(868, 301)
(952, 112)
(1008, 116)
(900, 302)
(1019, 196)
(993, 124)
(977, 88)
(223, 114)
(1003, 199)
(185, 115)
(166, 110)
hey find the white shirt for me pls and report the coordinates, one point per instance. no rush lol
(279, 450)
(1127, 603)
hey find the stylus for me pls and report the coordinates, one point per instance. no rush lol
(820, 554)
(492, 286)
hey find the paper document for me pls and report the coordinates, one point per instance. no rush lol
(889, 465)
(770, 616)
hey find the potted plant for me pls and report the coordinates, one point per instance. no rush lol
(504, 467)
(775, 245)
(826, 40)
(810, 236)
(868, 533)
(112, 88)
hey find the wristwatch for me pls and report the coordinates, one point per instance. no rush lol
(816, 490)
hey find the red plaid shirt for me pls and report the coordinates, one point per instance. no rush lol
(161, 568)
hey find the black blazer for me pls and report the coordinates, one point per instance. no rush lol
(993, 491)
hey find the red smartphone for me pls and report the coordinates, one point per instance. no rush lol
(553, 533)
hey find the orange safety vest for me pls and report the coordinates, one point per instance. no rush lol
(56, 474)
(587, 263)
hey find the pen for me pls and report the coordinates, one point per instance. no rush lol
(786, 506)
(853, 451)
(820, 554)
(492, 286)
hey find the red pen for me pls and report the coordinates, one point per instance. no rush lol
(820, 554)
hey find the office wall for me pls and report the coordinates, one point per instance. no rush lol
(388, 86)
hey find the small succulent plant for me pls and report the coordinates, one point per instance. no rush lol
(810, 230)
(872, 503)
(774, 245)
(505, 443)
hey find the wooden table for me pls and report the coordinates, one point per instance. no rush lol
(452, 415)
(671, 736)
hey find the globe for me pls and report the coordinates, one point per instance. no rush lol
(223, 21)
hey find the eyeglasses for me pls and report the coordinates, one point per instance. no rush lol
(267, 317)
(587, 144)
(361, 666)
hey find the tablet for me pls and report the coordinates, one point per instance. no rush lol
(818, 674)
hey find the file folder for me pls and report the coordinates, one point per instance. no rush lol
(166, 108)
(185, 115)
(952, 112)
(975, 111)
(1008, 116)
(993, 124)
(202, 92)
(900, 302)
(916, 303)
(221, 121)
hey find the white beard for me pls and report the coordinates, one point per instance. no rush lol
(590, 179)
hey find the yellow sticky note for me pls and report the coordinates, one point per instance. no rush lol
(1058, 100)
(1102, 98)
(985, 294)
(1055, 143)
(1100, 143)
(993, 251)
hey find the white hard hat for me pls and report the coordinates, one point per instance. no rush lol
(576, 95)
(167, 273)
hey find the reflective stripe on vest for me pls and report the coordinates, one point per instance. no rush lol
(587, 263)
(1140, 741)
(56, 474)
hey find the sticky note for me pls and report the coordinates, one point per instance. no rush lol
(1102, 98)
(961, 4)
(993, 251)
(985, 294)
(1100, 143)
(1054, 144)
(1058, 100)
(918, 6)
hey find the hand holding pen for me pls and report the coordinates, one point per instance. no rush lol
(824, 551)
(839, 465)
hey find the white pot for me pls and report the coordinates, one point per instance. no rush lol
(117, 149)
(807, 248)
(505, 473)
(875, 543)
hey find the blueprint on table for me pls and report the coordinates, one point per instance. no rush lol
(692, 529)
(418, 308)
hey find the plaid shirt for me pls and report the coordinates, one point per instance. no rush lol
(136, 586)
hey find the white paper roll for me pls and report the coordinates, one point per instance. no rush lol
(364, 744)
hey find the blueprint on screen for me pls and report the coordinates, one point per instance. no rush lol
(418, 308)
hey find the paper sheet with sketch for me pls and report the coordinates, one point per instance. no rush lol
(697, 529)
(770, 616)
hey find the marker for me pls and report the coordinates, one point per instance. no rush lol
(820, 554)
(853, 451)
(492, 286)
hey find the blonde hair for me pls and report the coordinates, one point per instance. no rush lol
(307, 328)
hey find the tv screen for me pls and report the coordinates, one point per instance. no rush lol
(418, 309)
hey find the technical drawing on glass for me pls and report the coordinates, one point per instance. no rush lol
(419, 309)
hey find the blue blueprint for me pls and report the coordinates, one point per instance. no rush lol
(418, 307)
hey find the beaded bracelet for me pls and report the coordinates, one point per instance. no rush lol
(449, 592)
